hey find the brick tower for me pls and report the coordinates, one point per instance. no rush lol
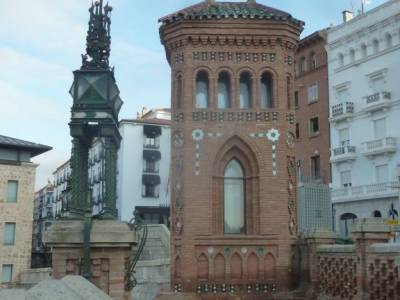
(233, 210)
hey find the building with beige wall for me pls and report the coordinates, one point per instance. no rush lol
(17, 182)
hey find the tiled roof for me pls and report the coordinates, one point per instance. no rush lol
(35, 149)
(225, 10)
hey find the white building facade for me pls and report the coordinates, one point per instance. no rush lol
(364, 93)
(143, 167)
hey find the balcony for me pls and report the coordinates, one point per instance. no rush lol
(342, 111)
(365, 192)
(344, 153)
(386, 145)
(377, 101)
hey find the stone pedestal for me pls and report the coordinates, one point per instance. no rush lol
(111, 248)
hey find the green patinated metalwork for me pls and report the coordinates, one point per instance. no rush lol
(79, 167)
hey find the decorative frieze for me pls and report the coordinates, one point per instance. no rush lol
(202, 116)
(238, 57)
(273, 136)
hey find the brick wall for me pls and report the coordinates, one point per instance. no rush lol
(202, 256)
(308, 145)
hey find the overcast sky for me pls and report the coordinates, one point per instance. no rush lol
(41, 43)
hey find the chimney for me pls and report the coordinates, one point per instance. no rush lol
(347, 16)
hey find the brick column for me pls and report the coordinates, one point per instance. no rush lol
(312, 241)
(366, 232)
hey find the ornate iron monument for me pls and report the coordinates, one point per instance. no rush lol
(94, 114)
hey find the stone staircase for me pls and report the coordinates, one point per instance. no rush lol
(152, 270)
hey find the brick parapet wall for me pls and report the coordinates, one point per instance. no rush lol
(365, 270)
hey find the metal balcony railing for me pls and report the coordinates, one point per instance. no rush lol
(344, 150)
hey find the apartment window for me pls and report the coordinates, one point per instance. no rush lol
(388, 38)
(380, 128)
(151, 142)
(9, 234)
(382, 173)
(150, 190)
(344, 137)
(151, 166)
(12, 191)
(315, 167)
(378, 84)
(303, 65)
(341, 59)
(345, 178)
(342, 95)
(376, 46)
(313, 61)
(6, 273)
(296, 98)
(313, 93)
(297, 130)
(364, 51)
(352, 55)
(314, 126)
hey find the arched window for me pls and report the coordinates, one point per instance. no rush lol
(179, 91)
(346, 221)
(313, 61)
(388, 38)
(376, 45)
(352, 55)
(341, 59)
(234, 198)
(245, 90)
(364, 51)
(224, 86)
(303, 63)
(202, 90)
(266, 90)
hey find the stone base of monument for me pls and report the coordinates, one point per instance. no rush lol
(112, 245)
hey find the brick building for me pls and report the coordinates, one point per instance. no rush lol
(233, 168)
(17, 181)
(312, 110)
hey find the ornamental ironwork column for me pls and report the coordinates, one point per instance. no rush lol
(110, 152)
(79, 168)
(94, 114)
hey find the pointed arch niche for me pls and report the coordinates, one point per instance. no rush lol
(235, 152)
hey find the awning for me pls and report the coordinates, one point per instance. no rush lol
(151, 179)
(151, 130)
(151, 155)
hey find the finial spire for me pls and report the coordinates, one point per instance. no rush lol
(98, 39)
